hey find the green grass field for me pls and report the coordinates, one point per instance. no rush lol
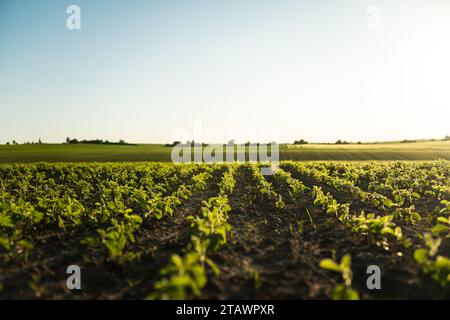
(430, 150)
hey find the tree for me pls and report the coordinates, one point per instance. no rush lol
(301, 141)
(447, 138)
(39, 141)
(67, 140)
(173, 144)
(7, 143)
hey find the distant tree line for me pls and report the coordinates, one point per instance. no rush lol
(341, 142)
(96, 141)
(198, 144)
(15, 143)
(302, 141)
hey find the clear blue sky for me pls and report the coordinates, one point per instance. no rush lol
(142, 70)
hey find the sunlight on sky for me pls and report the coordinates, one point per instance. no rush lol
(249, 70)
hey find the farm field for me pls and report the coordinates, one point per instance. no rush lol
(224, 231)
(427, 150)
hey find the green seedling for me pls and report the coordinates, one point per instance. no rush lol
(437, 266)
(342, 291)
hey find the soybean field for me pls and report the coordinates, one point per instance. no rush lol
(153, 230)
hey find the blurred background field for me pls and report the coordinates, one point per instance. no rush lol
(426, 150)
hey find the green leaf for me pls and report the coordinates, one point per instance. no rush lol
(439, 228)
(420, 255)
(442, 262)
(443, 220)
(415, 195)
(346, 261)
(342, 292)
(5, 243)
(5, 221)
(388, 203)
(213, 266)
(352, 294)
(329, 264)
(387, 230)
(415, 216)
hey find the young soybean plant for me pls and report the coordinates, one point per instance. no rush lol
(185, 276)
(342, 291)
(433, 264)
(265, 188)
